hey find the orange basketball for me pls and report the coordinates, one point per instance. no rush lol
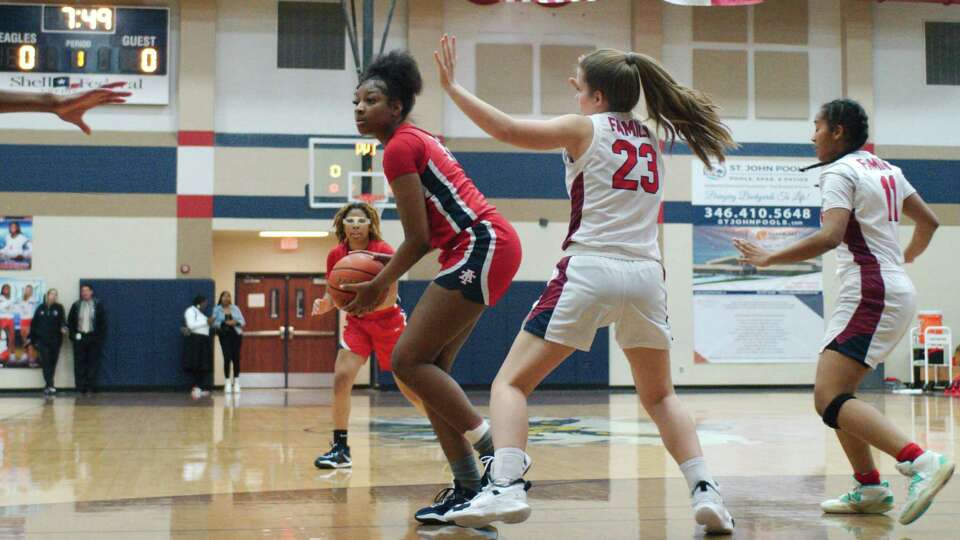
(354, 268)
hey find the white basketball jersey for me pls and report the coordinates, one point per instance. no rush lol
(615, 190)
(874, 191)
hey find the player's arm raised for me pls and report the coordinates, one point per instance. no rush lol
(568, 131)
(408, 192)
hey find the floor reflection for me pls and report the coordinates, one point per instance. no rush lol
(164, 466)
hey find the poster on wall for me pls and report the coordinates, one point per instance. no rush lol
(744, 314)
(19, 299)
(16, 243)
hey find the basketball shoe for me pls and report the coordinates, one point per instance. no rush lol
(438, 512)
(709, 510)
(337, 458)
(862, 499)
(928, 474)
(495, 502)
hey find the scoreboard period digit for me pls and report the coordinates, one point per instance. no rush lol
(64, 48)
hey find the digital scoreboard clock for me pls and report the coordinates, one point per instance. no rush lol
(66, 48)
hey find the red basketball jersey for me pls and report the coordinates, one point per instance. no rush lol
(343, 249)
(453, 202)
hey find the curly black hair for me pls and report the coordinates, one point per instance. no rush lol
(400, 75)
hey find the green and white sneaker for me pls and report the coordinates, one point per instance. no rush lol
(862, 499)
(928, 474)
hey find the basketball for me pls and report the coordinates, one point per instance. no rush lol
(354, 268)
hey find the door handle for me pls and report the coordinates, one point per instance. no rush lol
(282, 333)
(291, 332)
(317, 333)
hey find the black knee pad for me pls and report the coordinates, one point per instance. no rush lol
(832, 412)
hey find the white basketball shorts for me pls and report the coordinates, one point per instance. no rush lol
(874, 310)
(589, 292)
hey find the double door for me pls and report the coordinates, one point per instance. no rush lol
(283, 345)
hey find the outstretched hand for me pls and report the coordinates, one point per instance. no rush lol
(446, 59)
(751, 254)
(71, 108)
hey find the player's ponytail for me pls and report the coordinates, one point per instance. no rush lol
(682, 111)
(676, 109)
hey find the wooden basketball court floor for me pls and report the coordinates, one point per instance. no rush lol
(132, 466)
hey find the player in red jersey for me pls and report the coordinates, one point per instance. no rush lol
(440, 208)
(70, 108)
(358, 229)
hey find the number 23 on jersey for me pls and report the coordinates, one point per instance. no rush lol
(650, 179)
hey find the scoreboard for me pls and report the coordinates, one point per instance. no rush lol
(67, 48)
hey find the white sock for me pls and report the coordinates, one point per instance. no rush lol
(477, 433)
(508, 465)
(695, 471)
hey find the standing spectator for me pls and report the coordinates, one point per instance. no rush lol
(88, 326)
(16, 246)
(228, 322)
(196, 351)
(46, 336)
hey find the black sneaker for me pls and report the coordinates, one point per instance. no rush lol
(443, 503)
(337, 458)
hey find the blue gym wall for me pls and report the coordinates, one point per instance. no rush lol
(144, 346)
(483, 353)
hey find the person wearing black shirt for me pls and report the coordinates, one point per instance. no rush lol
(46, 335)
(88, 326)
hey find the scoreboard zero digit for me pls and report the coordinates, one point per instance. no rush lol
(65, 48)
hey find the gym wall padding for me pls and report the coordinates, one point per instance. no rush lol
(143, 346)
(484, 352)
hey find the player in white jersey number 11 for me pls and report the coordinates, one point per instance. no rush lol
(863, 199)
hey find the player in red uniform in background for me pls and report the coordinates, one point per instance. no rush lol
(358, 229)
(440, 208)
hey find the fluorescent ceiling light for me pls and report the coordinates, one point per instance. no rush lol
(294, 234)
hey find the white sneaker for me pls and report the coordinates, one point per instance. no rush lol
(227, 388)
(928, 474)
(494, 503)
(862, 499)
(429, 532)
(709, 511)
(196, 393)
(236, 386)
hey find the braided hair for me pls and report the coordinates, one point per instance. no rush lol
(856, 127)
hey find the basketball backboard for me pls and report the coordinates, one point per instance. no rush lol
(338, 175)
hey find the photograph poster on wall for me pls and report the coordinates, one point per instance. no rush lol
(16, 243)
(744, 314)
(19, 299)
